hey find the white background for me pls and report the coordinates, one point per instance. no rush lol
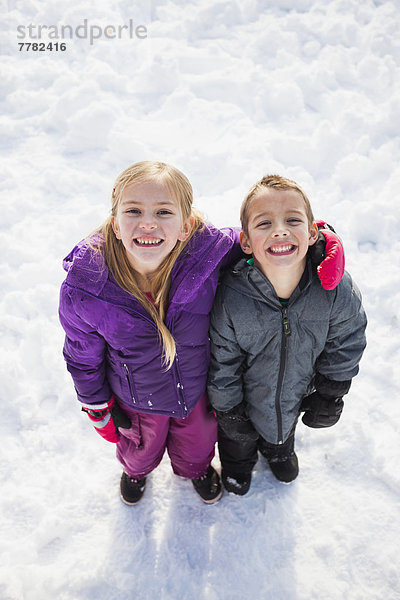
(227, 91)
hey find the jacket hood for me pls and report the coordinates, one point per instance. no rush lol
(86, 267)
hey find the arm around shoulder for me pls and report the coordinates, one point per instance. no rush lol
(236, 251)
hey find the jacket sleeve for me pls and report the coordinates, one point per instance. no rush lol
(236, 252)
(84, 352)
(225, 383)
(346, 336)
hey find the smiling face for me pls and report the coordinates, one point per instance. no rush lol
(279, 232)
(149, 223)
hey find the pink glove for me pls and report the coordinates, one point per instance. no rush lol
(106, 419)
(331, 269)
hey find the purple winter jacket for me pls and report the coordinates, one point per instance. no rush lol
(112, 345)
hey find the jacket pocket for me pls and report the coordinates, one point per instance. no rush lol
(130, 384)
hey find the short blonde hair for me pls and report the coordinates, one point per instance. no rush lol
(115, 255)
(278, 183)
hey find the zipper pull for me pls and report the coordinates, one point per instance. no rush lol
(285, 322)
(129, 383)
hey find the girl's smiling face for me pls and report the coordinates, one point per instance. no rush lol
(279, 233)
(149, 224)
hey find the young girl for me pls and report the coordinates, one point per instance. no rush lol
(135, 307)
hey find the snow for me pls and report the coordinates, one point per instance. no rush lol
(225, 91)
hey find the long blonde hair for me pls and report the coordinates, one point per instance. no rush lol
(115, 255)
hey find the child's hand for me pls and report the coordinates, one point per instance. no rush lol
(107, 420)
(321, 411)
(329, 250)
(236, 424)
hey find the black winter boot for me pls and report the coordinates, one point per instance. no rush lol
(281, 458)
(237, 484)
(208, 486)
(131, 489)
(285, 469)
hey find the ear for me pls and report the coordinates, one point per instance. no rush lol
(313, 237)
(245, 243)
(114, 225)
(186, 230)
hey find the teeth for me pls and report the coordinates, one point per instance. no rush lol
(148, 242)
(278, 249)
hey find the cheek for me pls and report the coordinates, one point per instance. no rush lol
(123, 228)
(258, 241)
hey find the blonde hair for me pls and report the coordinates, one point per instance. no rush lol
(115, 255)
(278, 183)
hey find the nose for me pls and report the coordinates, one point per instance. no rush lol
(280, 230)
(147, 223)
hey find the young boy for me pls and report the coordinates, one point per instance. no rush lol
(280, 343)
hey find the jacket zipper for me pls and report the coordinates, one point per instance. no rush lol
(129, 383)
(282, 362)
(179, 386)
(180, 394)
(282, 367)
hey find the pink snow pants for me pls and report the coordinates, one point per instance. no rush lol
(190, 442)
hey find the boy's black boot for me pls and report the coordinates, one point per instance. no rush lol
(208, 486)
(131, 489)
(286, 468)
(281, 458)
(239, 483)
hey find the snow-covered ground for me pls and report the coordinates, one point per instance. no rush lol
(226, 91)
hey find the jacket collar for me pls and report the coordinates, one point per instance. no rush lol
(250, 281)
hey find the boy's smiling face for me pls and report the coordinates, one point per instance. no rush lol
(279, 233)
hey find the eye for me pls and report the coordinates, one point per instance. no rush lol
(165, 211)
(264, 224)
(133, 211)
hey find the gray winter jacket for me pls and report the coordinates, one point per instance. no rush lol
(267, 355)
